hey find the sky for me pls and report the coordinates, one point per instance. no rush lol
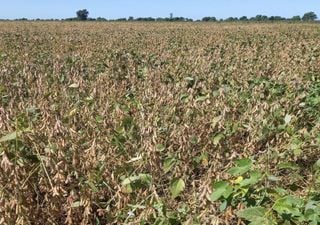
(196, 9)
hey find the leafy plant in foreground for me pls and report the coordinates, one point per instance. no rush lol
(265, 204)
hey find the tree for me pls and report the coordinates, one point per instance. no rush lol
(231, 19)
(243, 18)
(309, 16)
(101, 19)
(82, 14)
(276, 18)
(261, 18)
(207, 19)
(121, 19)
(296, 18)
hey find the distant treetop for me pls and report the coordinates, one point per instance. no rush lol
(309, 16)
(82, 14)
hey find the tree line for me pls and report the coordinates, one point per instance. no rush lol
(309, 16)
(83, 15)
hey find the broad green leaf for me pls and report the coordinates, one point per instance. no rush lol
(288, 205)
(9, 137)
(253, 214)
(176, 187)
(242, 166)
(312, 212)
(168, 164)
(136, 182)
(221, 188)
(254, 178)
(223, 205)
(263, 221)
(312, 217)
(313, 205)
(146, 178)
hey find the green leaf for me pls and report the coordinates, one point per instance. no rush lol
(316, 166)
(76, 204)
(202, 98)
(223, 205)
(263, 221)
(242, 166)
(280, 191)
(160, 147)
(288, 205)
(254, 178)
(221, 188)
(215, 121)
(176, 187)
(99, 119)
(168, 164)
(312, 212)
(296, 146)
(312, 217)
(145, 178)
(9, 137)
(288, 165)
(184, 97)
(216, 140)
(256, 215)
(92, 186)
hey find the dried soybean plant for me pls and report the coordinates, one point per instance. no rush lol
(109, 123)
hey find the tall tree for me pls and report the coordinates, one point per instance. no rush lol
(309, 16)
(82, 14)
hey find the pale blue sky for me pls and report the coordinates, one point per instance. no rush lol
(196, 9)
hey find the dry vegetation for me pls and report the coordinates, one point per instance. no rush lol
(104, 123)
